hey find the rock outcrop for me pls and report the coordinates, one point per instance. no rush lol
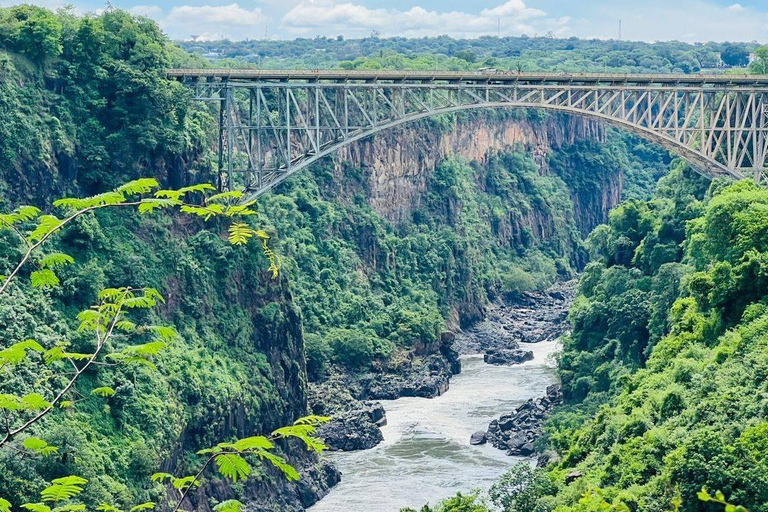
(532, 317)
(517, 431)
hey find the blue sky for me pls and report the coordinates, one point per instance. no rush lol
(648, 20)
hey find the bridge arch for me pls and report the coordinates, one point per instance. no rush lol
(274, 124)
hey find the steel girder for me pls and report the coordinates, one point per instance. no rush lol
(271, 130)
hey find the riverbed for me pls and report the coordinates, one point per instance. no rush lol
(426, 455)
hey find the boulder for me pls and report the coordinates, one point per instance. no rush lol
(507, 356)
(477, 438)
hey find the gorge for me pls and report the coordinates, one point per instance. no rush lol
(394, 256)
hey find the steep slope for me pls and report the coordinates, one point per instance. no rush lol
(665, 369)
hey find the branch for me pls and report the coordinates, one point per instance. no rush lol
(33, 247)
(10, 434)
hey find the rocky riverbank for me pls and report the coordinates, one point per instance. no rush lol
(516, 432)
(533, 318)
(351, 398)
(530, 318)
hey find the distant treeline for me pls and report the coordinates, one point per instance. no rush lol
(508, 53)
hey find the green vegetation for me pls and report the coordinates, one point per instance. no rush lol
(508, 53)
(665, 367)
(664, 371)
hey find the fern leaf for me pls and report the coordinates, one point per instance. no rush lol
(63, 488)
(139, 186)
(5, 505)
(229, 506)
(161, 477)
(164, 333)
(150, 204)
(75, 507)
(66, 404)
(240, 233)
(253, 443)
(106, 507)
(36, 507)
(19, 215)
(40, 446)
(281, 464)
(225, 196)
(184, 483)
(103, 199)
(149, 505)
(45, 225)
(125, 326)
(206, 212)
(44, 278)
(16, 353)
(103, 392)
(233, 466)
(56, 259)
(89, 319)
(34, 402)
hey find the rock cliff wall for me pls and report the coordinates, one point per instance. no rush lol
(398, 162)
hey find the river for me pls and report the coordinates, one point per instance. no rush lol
(426, 455)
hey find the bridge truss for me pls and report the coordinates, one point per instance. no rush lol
(273, 124)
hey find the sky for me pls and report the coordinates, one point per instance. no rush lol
(646, 20)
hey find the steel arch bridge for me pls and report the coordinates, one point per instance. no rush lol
(272, 124)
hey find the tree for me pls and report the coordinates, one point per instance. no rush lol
(760, 65)
(112, 326)
(734, 55)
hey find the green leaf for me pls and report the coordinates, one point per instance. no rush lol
(229, 506)
(281, 464)
(36, 507)
(103, 392)
(5, 505)
(17, 352)
(233, 466)
(225, 196)
(44, 278)
(253, 443)
(106, 507)
(184, 483)
(19, 215)
(139, 186)
(64, 488)
(29, 402)
(75, 507)
(56, 259)
(150, 204)
(161, 477)
(149, 505)
(46, 224)
(240, 233)
(39, 446)
(206, 212)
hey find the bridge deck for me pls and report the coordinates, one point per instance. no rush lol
(341, 75)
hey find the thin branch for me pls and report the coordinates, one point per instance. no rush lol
(197, 477)
(99, 345)
(33, 247)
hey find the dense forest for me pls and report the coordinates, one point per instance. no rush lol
(507, 53)
(663, 372)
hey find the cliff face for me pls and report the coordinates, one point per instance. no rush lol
(398, 162)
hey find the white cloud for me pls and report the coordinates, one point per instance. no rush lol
(207, 22)
(328, 17)
(736, 8)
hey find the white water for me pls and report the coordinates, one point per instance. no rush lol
(426, 455)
